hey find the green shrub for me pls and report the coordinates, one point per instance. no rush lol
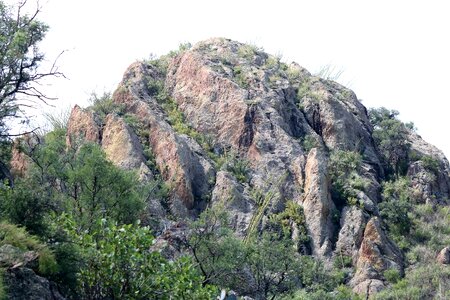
(271, 264)
(293, 74)
(18, 237)
(344, 168)
(430, 163)
(431, 281)
(342, 261)
(155, 87)
(248, 52)
(396, 206)
(104, 105)
(118, 263)
(238, 167)
(305, 90)
(390, 136)
(285, 221)
(272, 62)
(392, 275)
(308, 142)
(240, 77)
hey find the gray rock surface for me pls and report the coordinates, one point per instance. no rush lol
(444, 256)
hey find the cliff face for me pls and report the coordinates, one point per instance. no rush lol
(278, 122)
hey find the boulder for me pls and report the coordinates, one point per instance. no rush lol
(444, 256)
(24, 284)
(376, 254)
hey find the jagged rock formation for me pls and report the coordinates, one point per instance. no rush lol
(21, 280)
(241, 101)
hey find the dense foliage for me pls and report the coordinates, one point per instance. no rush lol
(390, 135)
(100, 251)
(267, 267)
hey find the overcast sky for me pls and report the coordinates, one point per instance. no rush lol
(393, 53)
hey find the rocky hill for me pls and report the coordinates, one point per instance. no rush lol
(224, 123)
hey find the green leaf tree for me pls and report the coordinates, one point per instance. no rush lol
(119, 263)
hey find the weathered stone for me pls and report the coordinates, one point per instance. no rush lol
(11, 257)
(81, 127)
(245, 103)
(444, 256)
(440, 186)
(369, 287)
(335, 113)
(121, 144)
(317, 204)
(229, 193)
(376, 254)
(350, 237)
(24, 284)
(20, 280)
(19, 161)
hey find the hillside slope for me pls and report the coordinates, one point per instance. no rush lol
(224, 123)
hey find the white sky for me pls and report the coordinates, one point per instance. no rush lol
(393, 53)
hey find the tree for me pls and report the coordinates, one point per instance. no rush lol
(265, 267)
(80, 181)
(20, 74)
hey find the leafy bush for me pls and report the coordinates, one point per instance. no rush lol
(345, 179)
(431, 281)
(80, 181)
(342, 261)
(285, 221)
(308, 142)
(390, 136)
(392, 275)
(293, 73)
(119, 263)
(305, 90)
(396, 206)
(238, 167)
(272, 62)
(21, 205)
(248, 51)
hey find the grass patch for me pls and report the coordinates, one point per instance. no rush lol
(18, 237)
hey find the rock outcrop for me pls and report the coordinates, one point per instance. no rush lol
(82, 127)
(122, 146)
(317, 204)
(21, 280)
(376, 255)
(223, 100)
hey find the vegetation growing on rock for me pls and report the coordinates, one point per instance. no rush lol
(219, 166)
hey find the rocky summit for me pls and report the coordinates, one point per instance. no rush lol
(224, 124)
